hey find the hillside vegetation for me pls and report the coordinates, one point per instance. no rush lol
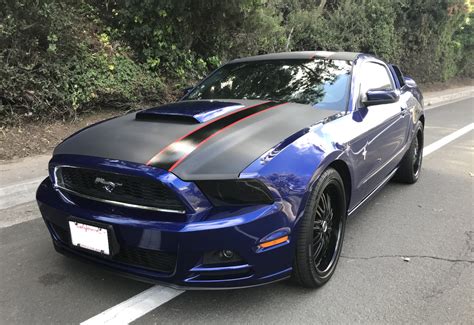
(63, 57)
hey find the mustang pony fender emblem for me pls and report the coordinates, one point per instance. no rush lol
(106, 185)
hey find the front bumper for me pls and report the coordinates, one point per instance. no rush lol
(173, 253)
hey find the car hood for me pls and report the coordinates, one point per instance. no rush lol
(195, 140)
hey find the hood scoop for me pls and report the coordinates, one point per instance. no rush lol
(198, 111)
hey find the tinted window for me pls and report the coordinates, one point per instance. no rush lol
(375, 76)
(321, 83)
(398, 75)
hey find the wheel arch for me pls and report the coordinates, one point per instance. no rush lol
(341, 167)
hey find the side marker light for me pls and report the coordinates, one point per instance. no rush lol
(273, 242)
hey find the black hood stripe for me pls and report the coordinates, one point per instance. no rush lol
(172, 155)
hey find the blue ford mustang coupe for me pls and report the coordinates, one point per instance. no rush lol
(248, 179)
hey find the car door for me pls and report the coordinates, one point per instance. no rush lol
(407, 100)
(382, 128)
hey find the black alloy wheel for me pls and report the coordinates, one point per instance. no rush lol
(327, 231)
(417, 154)
(319, 242)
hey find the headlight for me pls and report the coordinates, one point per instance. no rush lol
(236, 192)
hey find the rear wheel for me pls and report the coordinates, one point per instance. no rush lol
(319, 241)
(410, 166)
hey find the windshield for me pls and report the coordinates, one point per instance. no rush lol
(321, 83)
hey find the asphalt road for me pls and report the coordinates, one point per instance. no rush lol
(430, 222)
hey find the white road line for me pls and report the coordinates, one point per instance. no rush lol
(427, 150)
(135, 307)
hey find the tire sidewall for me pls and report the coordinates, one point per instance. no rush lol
(330, 176)
(418, 129)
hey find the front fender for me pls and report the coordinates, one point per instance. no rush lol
(292, 168)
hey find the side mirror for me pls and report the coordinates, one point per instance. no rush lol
(409, 82)
(187, 90)
(379, 97)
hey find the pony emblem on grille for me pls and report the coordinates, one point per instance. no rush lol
(106, 185)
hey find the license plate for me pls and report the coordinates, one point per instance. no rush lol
(89, 237)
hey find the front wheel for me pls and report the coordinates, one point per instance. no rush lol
(319, 241)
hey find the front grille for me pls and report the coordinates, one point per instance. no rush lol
(132, 191)
(140, 257)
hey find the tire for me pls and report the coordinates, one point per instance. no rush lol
(321, 232)
(410, 167)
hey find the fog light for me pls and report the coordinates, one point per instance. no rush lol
(222, 257)
(227, 253)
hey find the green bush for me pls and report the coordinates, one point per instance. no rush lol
(184, 39)
(57, 60)
(62, 57)
(430, 52)
(464, 42)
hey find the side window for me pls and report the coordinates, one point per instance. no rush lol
(399, 75)
(375, 76)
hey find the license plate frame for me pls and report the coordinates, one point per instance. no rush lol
(112, 243)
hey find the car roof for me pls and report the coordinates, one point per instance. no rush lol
(346, 56)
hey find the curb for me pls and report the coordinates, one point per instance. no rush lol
(448, 98)
(17, 194)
